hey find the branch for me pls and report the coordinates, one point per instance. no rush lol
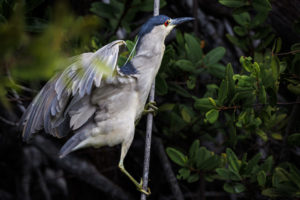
(167, 169)
(8, 122)
(81, 169)
(149, 125)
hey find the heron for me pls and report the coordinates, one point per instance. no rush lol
(96, 100)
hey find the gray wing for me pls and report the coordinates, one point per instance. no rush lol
(57, 106)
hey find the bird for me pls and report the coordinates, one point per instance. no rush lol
(98, 102)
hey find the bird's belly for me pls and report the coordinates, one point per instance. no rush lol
(113, 131)
(115, 121)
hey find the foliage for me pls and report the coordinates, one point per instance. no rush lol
(242, 105)
(120, 14)
(230, 121)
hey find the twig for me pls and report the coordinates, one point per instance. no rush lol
(43, 185)
(167, 169)
(8, 122)
(195, 9)
(287, 53)
(223, 108)
(17, 85)
(149, 125)
(81, 169)
(288, 129)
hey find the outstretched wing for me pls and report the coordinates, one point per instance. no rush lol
(53, 107)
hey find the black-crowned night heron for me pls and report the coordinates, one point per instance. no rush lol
(98, 101)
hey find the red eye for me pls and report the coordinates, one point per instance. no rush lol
(167, 23)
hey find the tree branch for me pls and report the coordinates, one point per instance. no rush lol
(167, 169)
(81, 169)
(149, 125)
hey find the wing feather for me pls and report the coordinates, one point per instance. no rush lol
(54, 107)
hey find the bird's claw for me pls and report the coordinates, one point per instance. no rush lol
(151, 108)
(140, 188)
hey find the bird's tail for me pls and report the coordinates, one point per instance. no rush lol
(72, 144)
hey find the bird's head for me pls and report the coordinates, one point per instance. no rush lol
(161, 25)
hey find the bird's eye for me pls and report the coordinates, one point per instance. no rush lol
(167, 23)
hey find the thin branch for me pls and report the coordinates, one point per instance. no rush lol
(83, 170)
(167, 169)
(287, 53)
(149, 125)
(8, 122)
(195, 13)
(17, 85)
(223, 108)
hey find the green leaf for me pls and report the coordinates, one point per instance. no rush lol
(270, 192)
(233, 161)
(262, 95)
(185, 115)
(226, 174)
(246, 63)
(276, 136)
(229, 80)
(277, 45)
(166, 107)
(161, 85)
(294, 175)
(193, 178)
(193, 48)
(210, 163)
(234, 40)
(104, 10)
(193, 149)
(259, 19)
(217, 70)
(262, 135)
(242, 19)
(261, 178)
(279, 176)
(212, 101)
(234, 188)
(275, 67)
(184, 173)
(261, 5)
(240, 31)
(176, 156)
(294, 139)
(179, 38)
(203, 104)
(295, 47)
(294, 88)
(212, 115)
(222, 92)
(233, 3)
(267, 165)
(180, 90)
(191, 82)
(252, 164)
(185, 65)
(202, 154)
(214, 56)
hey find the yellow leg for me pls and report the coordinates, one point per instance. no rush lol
(124, 149)
(138, 185)
(151, 108)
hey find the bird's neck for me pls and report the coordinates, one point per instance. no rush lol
(149, 53)
(147, 62)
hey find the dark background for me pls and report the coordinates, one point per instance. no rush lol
(33, 170)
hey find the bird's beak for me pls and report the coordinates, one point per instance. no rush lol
(177, 21)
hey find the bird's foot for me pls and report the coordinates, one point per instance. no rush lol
(151, 108)
(138, 185)
(140, 188)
